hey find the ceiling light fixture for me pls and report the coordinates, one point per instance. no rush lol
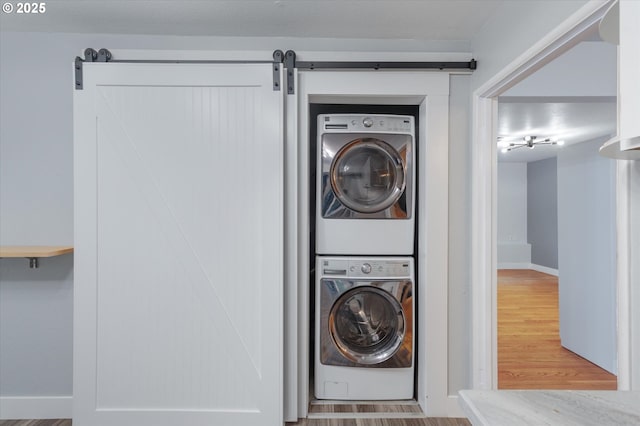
(528, 141)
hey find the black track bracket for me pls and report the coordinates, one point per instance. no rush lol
(278, 58)
(290, 65)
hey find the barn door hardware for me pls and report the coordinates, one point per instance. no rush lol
(290, 65)
(90, 55)
(104, 55)
(278, 58)
(288, 60)
(308, 65)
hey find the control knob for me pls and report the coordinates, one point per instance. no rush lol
(368, 122)
(365, 268)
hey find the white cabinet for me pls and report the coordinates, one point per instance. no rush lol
(179, 241)
(629, 66)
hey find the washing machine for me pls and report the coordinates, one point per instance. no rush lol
(364, 322)
(365, 185)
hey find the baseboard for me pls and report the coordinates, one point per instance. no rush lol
(514, 265)
(40, 407)
(533, 266)
(544, 269)
(454, 409)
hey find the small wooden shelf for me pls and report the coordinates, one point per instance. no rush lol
(33, 253)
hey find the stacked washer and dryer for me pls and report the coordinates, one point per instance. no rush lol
(364, 288)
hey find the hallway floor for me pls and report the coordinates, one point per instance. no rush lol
(529, 352)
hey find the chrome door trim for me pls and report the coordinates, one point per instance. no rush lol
(332, 289)
(389, 153)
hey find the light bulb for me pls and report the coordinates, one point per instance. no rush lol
(560, 142)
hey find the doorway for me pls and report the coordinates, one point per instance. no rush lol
(556, 200)
(484, 224)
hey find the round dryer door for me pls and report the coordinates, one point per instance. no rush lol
(367, 175)
(367, 325)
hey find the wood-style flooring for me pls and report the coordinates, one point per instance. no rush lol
(303, 422)
(430, 421)
(529, 352)
(406, 413)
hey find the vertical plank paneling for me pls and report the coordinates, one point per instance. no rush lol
(188, 230)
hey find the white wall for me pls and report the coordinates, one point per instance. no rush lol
(587, 253)
(513, 249)
(459, 233)
(588, 69)
(514, 28)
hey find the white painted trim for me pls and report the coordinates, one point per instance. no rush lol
(291, 277)
(431, 92)
(35, 407)
(623, 223)
(544, 269)
(455, 410)
(514, 265)
(484, 243)
(484, 342)
(532, 266)
(433, 255)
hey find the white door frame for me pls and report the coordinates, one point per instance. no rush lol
(484, 201)
(431, 92)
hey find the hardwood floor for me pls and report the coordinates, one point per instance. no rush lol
(529, 352)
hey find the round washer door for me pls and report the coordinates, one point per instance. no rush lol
(367, 325)
(367, 175)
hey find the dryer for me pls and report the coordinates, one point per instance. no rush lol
(364, 322)
(365, 190)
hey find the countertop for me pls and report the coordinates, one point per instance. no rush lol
(550, 407)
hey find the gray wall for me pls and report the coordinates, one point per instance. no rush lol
(36, 324)
(459, 234)
(542, 208)
(36, 207)
(587, 253)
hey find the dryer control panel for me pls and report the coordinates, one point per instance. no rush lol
(367, 267)
(368, 123)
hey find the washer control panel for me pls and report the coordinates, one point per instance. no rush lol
(367, 123)
(366, 267)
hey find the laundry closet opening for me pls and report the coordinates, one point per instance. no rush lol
(372, 371)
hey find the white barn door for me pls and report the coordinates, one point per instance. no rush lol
(178, 241)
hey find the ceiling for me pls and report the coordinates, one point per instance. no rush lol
(370, 19)
(572, 120)
(573, 98)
